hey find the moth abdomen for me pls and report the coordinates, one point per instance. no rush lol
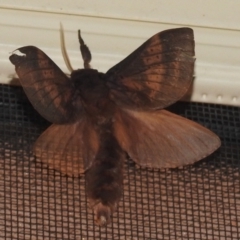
(105, 178)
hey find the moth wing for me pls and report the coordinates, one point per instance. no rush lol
(68, 148)
(161, 139)
(49, 90)
(156, 74)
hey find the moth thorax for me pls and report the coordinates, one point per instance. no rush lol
(87, 81)
(84, 75)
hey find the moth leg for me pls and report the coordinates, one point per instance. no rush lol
(86, 54)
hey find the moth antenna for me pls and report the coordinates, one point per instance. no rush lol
(63, 49)
(86, 54)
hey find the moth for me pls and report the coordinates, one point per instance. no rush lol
(98, 118)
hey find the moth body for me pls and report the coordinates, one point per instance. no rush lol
(97, 117)
(104, 177)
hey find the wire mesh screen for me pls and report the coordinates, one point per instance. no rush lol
(200, 201)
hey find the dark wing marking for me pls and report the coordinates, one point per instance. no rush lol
(155, 75)
(49, 90)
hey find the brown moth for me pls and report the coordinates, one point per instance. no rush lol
(99, 117)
